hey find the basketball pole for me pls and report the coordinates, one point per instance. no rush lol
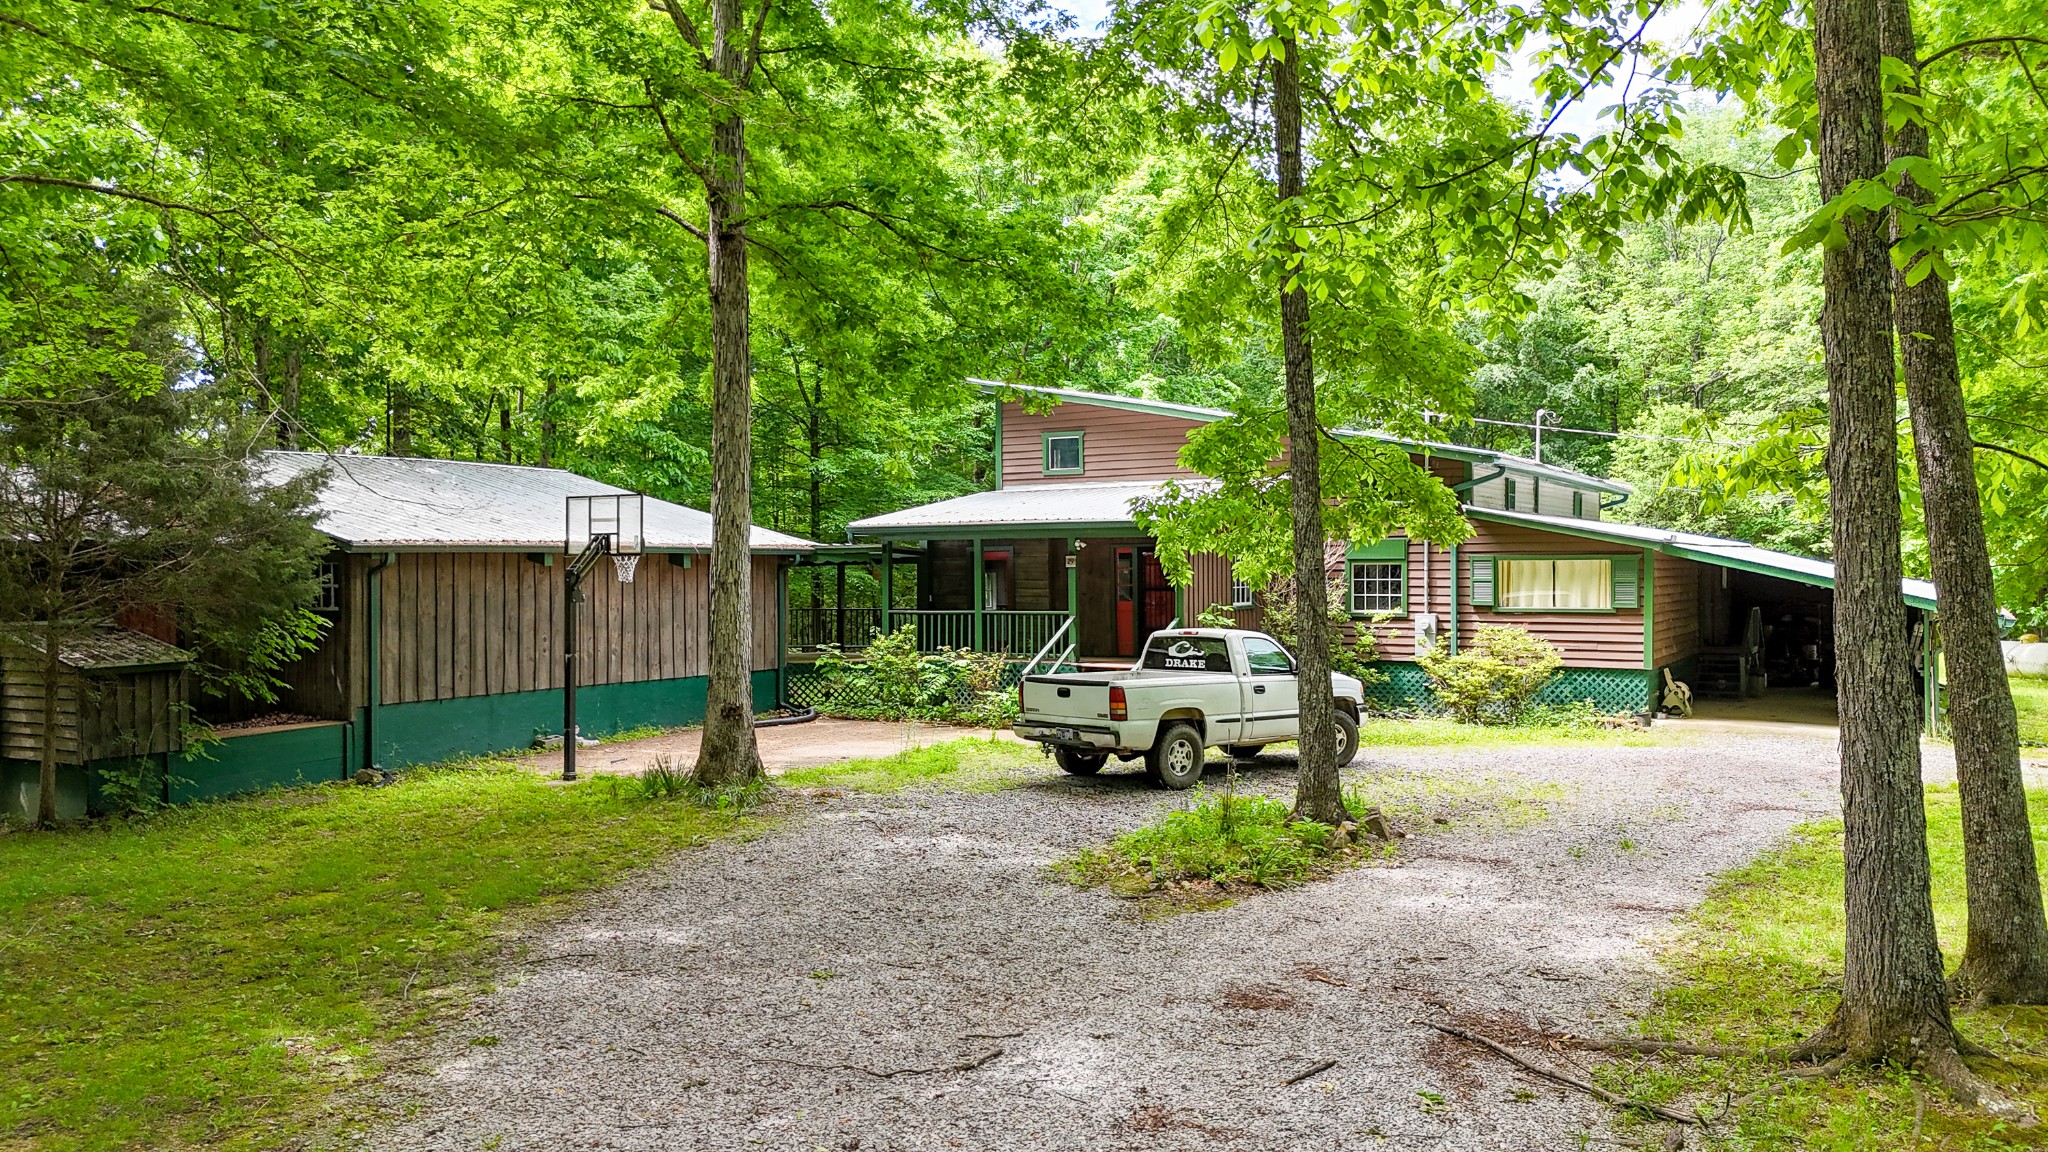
(572, 591)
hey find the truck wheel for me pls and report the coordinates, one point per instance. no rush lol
(1176, 760)
(1243, 751)
(1080, 763)
(1347, 739)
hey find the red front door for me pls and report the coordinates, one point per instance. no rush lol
(1144, 598)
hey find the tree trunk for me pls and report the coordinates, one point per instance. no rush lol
(2005, 959)
(46, 790)
(1318, 795)
(547, 426)
(728, 754)
(1894, 999)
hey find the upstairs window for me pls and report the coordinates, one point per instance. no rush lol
(328, 598)
(1062, 453)
(1508, 494)
(1578, 504)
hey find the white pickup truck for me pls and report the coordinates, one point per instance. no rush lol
(1192, 689)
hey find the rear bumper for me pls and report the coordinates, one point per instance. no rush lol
(1095, 738)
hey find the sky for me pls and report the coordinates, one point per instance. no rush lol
(1671, 24)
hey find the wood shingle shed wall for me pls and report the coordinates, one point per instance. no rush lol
(101, 715)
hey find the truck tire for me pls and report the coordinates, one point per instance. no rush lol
(1243, 751)
(1347, 739)
(1175, 760)
(1080, 763)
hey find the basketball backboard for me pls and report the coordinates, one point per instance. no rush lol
(615, 515)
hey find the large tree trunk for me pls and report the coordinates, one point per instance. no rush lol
(1894, 1000)
(2005, 959)
(728, 754)
(46, 790)
(1318, 795)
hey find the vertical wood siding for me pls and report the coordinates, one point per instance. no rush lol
(488, 623)
(1115, 444)
(1675, 609)
(104, 716)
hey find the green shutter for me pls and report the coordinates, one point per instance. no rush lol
(1628, 585)
(1482, 581)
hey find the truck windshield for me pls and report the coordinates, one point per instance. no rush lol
(1187, 654)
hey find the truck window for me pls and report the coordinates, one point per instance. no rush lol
(1187, 654)
(1267, 658)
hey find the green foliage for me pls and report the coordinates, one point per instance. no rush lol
(208, 975)
(1494, 678)
(1354, 649)
(2030, 694)
(1217, 839)
(892, 680)
(1759, 965)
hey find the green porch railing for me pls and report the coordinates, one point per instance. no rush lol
(1018, 633)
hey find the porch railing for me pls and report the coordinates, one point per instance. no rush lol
(1019, 633)
(815, 627)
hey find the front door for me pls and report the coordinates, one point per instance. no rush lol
(1144, 598)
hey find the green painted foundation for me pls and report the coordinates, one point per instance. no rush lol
(254, 761)
(404, 735)
(1406, 688)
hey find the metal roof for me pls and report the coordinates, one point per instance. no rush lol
(1101, 505)
(103, 649)
(404, 503)
(1716, 550)
(1487, 456)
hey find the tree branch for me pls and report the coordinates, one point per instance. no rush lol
(754, 44)
(110, 190)
(1980, 41)
(2013, 452)
(681, 20)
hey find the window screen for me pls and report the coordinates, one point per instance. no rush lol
(1566, 584)
(1376, 587)
(1187, 654)
(1063, 452)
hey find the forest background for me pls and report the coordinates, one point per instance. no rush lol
(444, 232)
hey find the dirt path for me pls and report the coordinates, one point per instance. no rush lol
(899, 973)
(784, 746)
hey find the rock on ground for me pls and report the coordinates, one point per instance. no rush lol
(900, 972)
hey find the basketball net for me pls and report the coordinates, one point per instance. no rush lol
(625, 566)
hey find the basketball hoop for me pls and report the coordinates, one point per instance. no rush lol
(625, 564)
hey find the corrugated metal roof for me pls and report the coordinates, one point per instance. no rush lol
(1094, 505)
(372, 502)
(1488, 456)
(1715, 550)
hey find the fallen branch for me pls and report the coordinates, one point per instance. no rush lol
(892, 1073)
(1315, 1069)
(1796, 1054)
(1557, 1077)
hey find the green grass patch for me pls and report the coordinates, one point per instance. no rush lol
(2030, 694)
(1438, 732)
(1224, 843)
(205, 977)
(1760, 964)
(973, 763)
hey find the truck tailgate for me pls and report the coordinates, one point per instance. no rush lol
(1068, 699)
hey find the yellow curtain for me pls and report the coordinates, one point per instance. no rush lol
(1542, 584)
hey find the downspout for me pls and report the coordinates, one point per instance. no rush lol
(375, 658)
(1618, 501)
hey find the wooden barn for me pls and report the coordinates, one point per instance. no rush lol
(444, 598)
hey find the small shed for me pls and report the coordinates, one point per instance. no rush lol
(121, 708)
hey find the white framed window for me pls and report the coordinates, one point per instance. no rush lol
(1567, 585)
(1062, 453)
(1240, 591)
(1378, 586)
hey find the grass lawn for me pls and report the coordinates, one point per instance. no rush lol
(2031, 694)
(974, 763)
(1759, 964)
(208, 976)
(1385, 732)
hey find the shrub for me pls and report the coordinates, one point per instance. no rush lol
(1495, 679)
(894, 681)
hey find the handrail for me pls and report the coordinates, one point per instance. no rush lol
(1054, 639)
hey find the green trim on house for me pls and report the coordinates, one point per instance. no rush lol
(1406, 687)
(1045, 440)
(253, 761)
(1647, 592)
(1392, 548)
(1357, 613)
(1043, 531)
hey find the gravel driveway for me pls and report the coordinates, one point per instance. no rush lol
(897, 972)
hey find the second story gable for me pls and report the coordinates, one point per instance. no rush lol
(1089, 437)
